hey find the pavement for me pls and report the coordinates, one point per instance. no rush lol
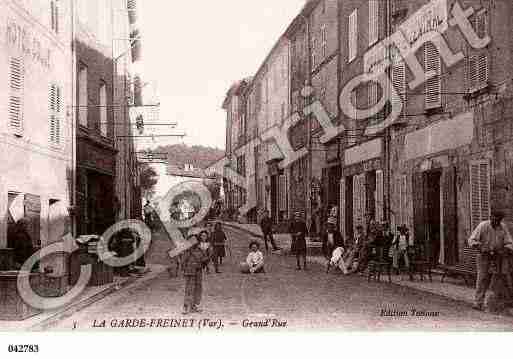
(282, 299)
(451, 288)
(89, 296)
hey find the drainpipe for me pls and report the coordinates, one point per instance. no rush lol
(73, 121)
(387, 142)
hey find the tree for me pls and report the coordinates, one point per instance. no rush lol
(149, 178)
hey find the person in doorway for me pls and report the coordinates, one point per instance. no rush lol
(192, 265)
(298, 232)
(266, 224)
(255, 260)
(492, 239)
(219, 243)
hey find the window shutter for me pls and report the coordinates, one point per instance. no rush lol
(480, 192)
(342, 210)
(373, 99)
(103, 110)
(399, 81)
(55, 105)
(283, 193)
(356, 201)
(432, 62)
(352, 35)
(379, 196)
(482, 65)
(373, 21)
(314, 45)
(324, 39)
(17, 80)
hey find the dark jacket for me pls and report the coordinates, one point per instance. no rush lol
(298, 227)
(193, 260)
(266, 224)
(328, 248)
(218, 238)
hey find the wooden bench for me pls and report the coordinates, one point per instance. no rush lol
(466, 267)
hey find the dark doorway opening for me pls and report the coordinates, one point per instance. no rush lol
(432, 214)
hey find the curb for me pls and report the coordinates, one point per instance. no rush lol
(247, 231)
(84, 303)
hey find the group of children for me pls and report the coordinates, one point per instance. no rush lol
(379, 242)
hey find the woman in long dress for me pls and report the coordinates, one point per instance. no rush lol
(298, 231)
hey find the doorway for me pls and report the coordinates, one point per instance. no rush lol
(432, 215)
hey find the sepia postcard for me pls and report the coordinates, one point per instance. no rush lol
(255, 167)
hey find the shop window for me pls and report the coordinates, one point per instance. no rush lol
(23, 226)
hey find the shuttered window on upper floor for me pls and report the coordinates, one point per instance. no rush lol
(17, 84)
(399, 81)
(54, 15)
(55, 109)
(379, 200)
(433, 86)
(479, 192)
(352, 35)
(104, 125)
(324, 41)
(373, 22)
(314, 52)
(373, 100)
(478, 66)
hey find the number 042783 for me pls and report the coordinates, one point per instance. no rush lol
(23, 348)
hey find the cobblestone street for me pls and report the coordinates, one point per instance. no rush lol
(305, 300)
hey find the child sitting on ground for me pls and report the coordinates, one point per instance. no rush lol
(255, 261)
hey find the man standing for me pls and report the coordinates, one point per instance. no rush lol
(491, 238)
(266, 224)
(298, 231)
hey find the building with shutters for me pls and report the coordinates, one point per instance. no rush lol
(361, 193)
(452, 160)
(36, 136)
(237, 135)
(106, 43)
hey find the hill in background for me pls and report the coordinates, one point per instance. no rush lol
(198, 156)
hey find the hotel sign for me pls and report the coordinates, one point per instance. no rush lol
(431, 17)
(25, 41)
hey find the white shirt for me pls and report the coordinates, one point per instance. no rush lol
(489, 238)
(255, 258)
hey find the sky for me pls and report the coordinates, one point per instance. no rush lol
(193, 51)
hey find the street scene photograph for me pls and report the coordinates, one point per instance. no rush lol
(255, 167)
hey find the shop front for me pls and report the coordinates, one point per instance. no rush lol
(95, 188)
(362, 187)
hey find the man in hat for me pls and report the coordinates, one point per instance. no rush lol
(491, 238)
(298, 231)
(266, 224)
